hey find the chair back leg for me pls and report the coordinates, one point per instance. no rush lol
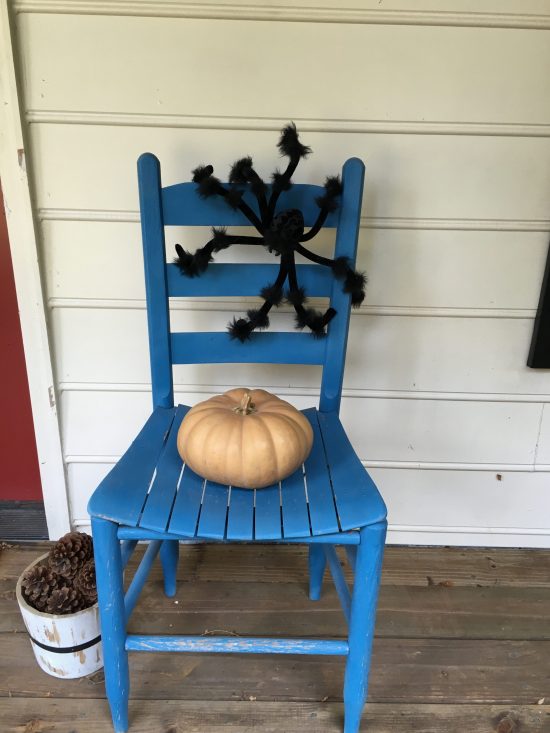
(368, 568)
(169, 556)
(110, 592)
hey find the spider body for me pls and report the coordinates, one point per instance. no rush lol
(282, 233)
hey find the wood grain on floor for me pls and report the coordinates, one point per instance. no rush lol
(463, 643)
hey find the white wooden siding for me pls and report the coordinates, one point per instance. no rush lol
(450, 110)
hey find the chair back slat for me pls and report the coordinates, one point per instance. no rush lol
(182, 206)
(179, 205)
(218, 347)
(233, 280)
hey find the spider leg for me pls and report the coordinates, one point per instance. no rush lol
(241, 328)
(242, 171)
(196, 263)
(309, 317)
(321, 218)
(354, 281)
(327, 203)
(318, 259)
(209, 186)
(292, 148)
(243, 207)
(281, 182)
(224, 240)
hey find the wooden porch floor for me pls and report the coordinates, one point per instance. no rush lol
(463, 646)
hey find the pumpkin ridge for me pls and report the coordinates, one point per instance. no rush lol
(202, 417)
(209, 404)
(296, 427)
(229, 442)
(242, 425)
(210, 439)
(272, 442)
(278, 407)
(187, 434)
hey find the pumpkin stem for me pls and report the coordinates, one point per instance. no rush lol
(246, 406)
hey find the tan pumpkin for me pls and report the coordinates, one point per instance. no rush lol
(246, 438)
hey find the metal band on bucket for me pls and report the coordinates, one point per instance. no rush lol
(66, 649)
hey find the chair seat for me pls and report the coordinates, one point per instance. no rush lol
(150, 488)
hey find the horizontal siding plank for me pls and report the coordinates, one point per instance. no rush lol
(405, 127)
(144, 60)
(85, 260)
(402, 353)
(486, 13)
(477, 499)
(416, 497)
(381, 429)
(407, 175)
(543, 438)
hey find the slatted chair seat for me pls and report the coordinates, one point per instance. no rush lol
(150, 495)
(150, 488)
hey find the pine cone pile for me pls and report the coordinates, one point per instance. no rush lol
(84, 582)
(70, 553)
(64, 600)
(65, 582)
(38, 584)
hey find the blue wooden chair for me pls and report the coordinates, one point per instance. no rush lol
(146, 496)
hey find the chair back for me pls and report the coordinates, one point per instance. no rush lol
(180, 205)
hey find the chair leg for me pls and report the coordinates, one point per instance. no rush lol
(368, 568)
(110, 591)
(317, 564)
(169, 555)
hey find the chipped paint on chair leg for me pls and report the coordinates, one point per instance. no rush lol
(317, 564)
(368, 569)
(169, 555)
(110, 590)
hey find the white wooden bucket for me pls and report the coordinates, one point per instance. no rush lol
(65, 646)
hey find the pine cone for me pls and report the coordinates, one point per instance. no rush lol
(69, 554)
(38, 583)
(84, 582)
(64, 600)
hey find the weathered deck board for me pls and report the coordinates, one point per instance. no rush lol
(404, 670)
(175, 716)
(462, 612)
(462, 644)
(402, 565)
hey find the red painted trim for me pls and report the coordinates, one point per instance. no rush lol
(19, 477)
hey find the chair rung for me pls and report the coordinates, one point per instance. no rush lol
(126, 550)
(138, 581)
(335, 538)
(235, 645)
(339, 580)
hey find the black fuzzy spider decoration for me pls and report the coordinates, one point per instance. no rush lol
(281, 233)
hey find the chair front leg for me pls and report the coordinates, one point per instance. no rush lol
(317, 564)
(169, 556)
(110, 592)
(368, 567)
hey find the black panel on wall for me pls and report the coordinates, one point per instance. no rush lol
(539, 353)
